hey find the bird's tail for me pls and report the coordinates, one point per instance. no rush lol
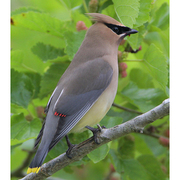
(38, 160)
(48, 132)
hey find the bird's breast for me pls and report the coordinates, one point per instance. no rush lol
(101, 106)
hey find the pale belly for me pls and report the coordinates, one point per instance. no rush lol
(102, 105)
(97, 111)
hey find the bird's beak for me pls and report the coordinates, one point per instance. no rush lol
(132, 31)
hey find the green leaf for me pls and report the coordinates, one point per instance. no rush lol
(35, 80)
(161, 40)
(51, 77)
(134, 170)
(70, 4)
(24, 10)
(127, 11)
(145, 99)
(46, 52)
(99, 153)
(17, 59)
(22, 130)
(157, 65)
(60, 59)
(126, 147)
(161, 17)
(136, 39)
(105, 5)
(58, 149)
(153, 167)
(109, 11)
(78, 16)
(144, 10)
(73, 41)
(21, 89)
(154, 145)
(119, 116)
(24, 61)
(39, 22)
(116, 161)
(126, 116)
(17, 158)
(128, 168)
(109, 122)
(76, 138)
(143, 81)
(141, 145)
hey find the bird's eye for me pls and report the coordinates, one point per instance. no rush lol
(115, 29)
(118, 29)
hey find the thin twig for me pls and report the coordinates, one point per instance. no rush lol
(157, 136)
(126, 109)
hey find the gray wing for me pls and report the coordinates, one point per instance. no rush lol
(77, 94)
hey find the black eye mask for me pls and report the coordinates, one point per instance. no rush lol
(119, 29)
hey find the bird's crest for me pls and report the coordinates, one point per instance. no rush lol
(103, 19)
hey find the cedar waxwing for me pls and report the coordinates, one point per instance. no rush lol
(86, 90)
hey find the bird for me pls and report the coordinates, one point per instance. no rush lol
(86, 90)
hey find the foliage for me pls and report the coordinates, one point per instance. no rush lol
(44, 40)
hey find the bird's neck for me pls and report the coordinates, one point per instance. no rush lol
(93, 48)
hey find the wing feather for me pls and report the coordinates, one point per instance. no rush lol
(80, 91)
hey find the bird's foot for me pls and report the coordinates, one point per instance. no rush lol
(95, 132)
(71, 146)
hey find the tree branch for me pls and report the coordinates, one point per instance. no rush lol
(137, 124)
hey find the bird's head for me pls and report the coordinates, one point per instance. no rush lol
(108, 28)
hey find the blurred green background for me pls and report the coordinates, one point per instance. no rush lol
(44, 39)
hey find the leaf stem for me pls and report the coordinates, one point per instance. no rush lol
(30, 69)
(30, 113)
(157, 136)
(133, 60)
(85, 6)
(34, 108)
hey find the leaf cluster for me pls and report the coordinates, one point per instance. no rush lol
(44, 40)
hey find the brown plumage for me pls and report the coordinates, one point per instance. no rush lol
(87, 89)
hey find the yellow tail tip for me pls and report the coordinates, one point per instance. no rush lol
(33, 170)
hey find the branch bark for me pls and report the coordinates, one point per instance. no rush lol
(136, 124)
